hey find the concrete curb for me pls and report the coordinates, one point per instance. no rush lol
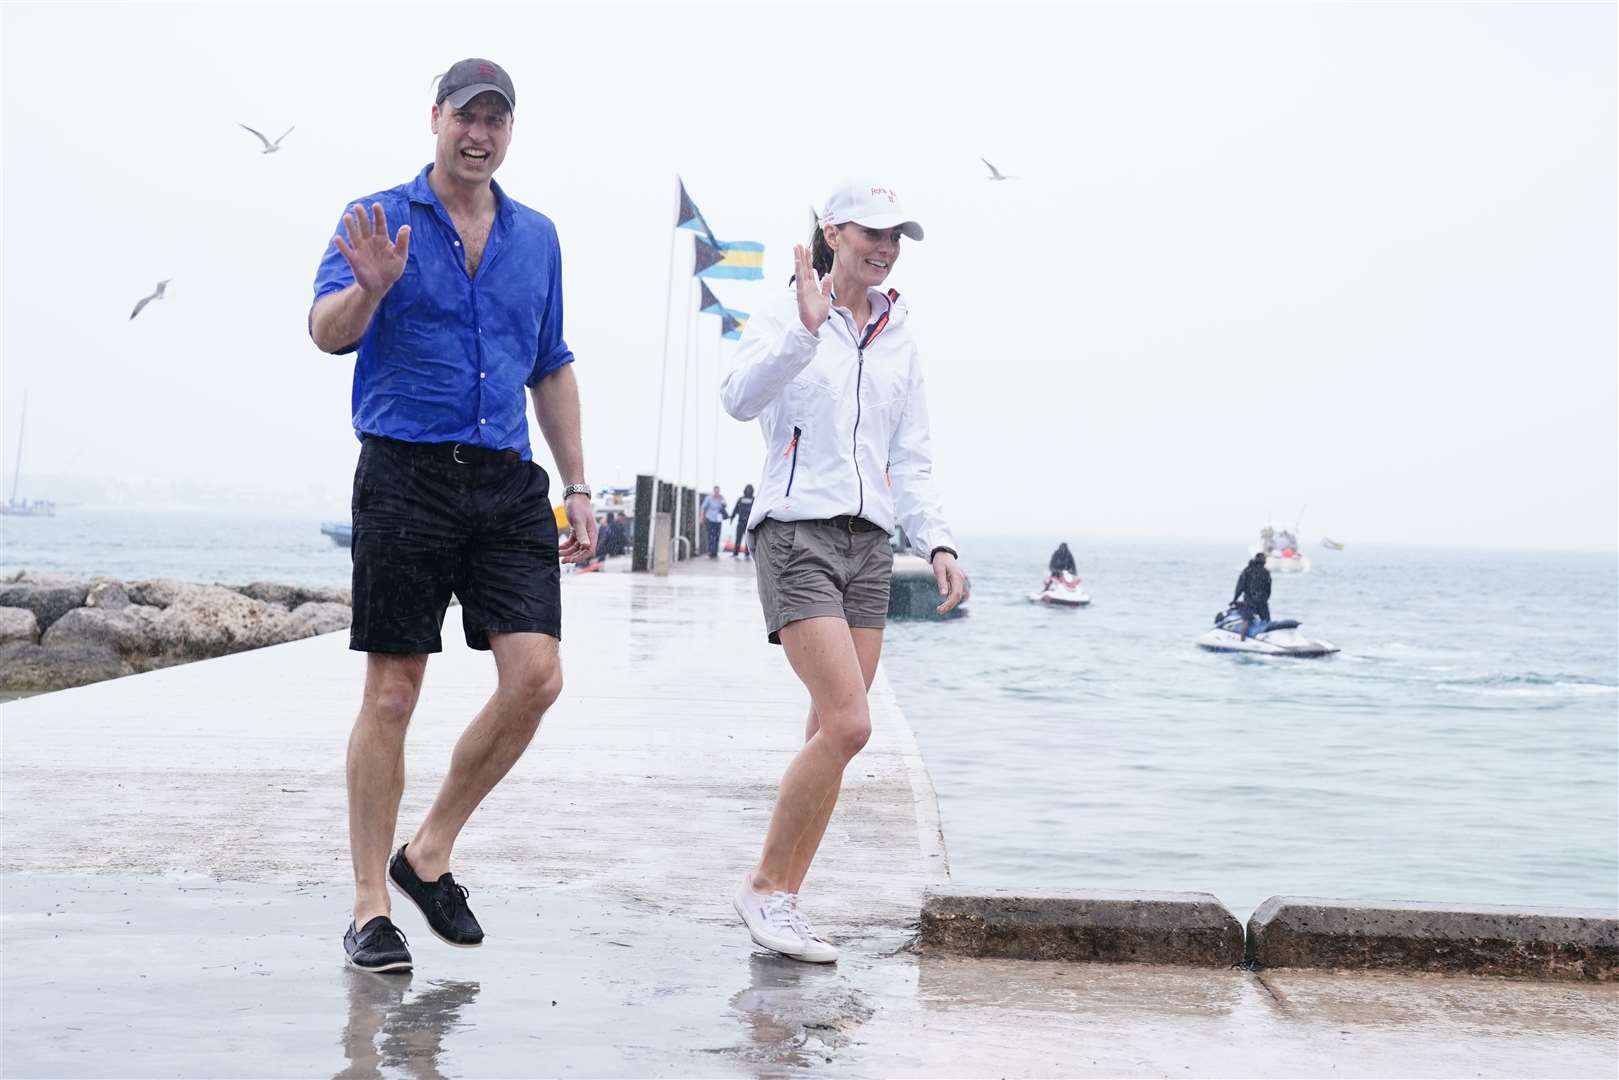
(1192, 929)
(1540, 943)
(929, 826)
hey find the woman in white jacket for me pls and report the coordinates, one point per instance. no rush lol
(832, 374)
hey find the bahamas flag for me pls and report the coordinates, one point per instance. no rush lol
(740, 259)
(732, 321)
(689, 217)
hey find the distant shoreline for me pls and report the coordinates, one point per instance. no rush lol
(314, 516)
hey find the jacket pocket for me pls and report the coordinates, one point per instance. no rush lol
(792, 452)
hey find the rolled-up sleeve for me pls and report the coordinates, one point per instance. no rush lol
(552, 351)
(333, 275)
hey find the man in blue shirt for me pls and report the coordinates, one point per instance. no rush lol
(451, 319)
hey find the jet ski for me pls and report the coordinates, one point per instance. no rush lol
(1278, 637)
(1062, 590)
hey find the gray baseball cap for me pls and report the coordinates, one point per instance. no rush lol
(469, 78)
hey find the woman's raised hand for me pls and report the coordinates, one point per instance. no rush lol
(814, 294)
(376, 261)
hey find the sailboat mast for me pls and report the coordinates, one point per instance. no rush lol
(21, 424)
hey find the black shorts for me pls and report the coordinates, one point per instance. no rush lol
(426, 527)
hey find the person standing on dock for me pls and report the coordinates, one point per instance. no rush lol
(714, 516)
(451, 318)
(741, 511)
(834, 377)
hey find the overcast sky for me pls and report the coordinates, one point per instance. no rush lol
(1359, 258)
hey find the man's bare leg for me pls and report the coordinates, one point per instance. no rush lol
(822, 653)
(868, 646)
(376, 774)
(529, 672)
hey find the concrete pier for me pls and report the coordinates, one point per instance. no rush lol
(176, 883)
(1101, 925)
(1483, 939)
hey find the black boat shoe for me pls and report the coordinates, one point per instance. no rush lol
(443, 903)
(377, 946)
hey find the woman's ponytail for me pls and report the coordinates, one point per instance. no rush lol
(820, 251)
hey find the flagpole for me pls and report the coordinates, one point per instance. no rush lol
(663, 375)
(680, 456)
(694, 356)
(697, 403)
(719, 336)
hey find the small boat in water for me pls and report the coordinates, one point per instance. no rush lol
(28, 508)
(18, 507)
(1282, 552)
(1331, 544)
(1287, 562)
(1062, 590)
(341, 532)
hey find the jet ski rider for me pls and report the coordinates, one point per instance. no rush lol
(1062, 559)
(1253, 594)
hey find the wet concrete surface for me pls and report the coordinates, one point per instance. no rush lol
(176, 885)
(115, 976)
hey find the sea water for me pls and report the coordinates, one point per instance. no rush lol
(1464, 745)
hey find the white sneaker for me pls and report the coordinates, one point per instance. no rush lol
(816, 949)
(769, 919)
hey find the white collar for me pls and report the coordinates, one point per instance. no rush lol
(879, 305)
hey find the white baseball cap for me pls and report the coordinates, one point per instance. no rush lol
(873, 205)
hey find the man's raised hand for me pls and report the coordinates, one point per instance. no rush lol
(376, 261)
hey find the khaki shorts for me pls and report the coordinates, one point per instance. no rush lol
(813, 568)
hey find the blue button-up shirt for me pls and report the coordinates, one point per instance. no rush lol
(447, 356)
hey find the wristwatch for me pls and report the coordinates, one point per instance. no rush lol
(576, 489)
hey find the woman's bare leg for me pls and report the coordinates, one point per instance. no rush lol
(868, 647)
(822, 653)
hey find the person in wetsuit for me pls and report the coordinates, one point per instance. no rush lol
(1062, 559)
(1253, 593)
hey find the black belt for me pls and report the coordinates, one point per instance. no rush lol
(851, 523)
(459, 453)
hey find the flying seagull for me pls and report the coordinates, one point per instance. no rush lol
(158, 295)
(994, 173)
(269, 147)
